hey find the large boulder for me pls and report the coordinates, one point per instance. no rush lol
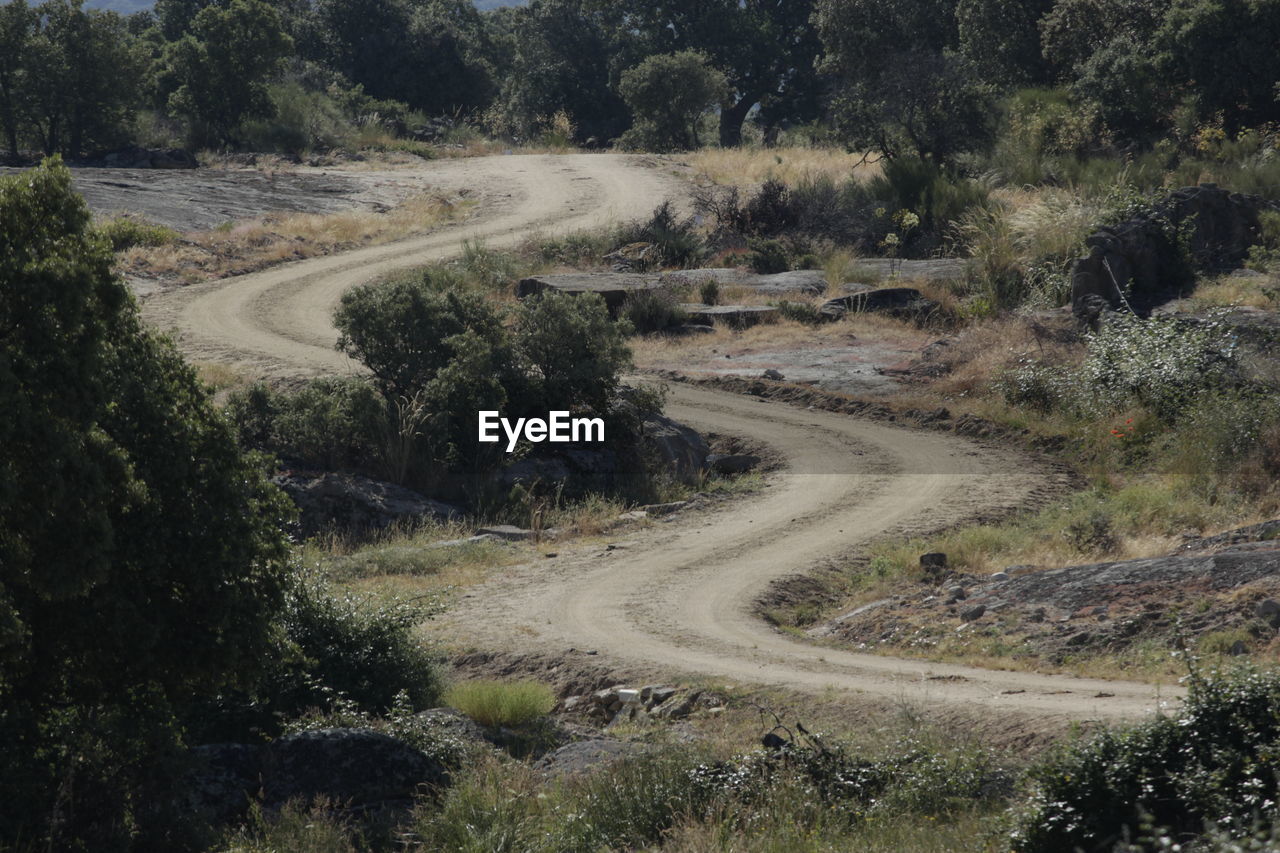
(351, 768)
(681, 449)
(328, 501)
(1135, 264)
(356, 768)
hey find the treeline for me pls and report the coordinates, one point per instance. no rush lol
(929, 78)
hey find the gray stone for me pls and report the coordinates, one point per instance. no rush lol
(957, 592)
(1267, 607)
(970, 614)
(732, 463)
(774, 375)
(665, 509)
(507, 532)
(682, 449)
(614, 288)
(732, 316)
(581, 756)
(353, 503)
(807, 282)
(1000, 576)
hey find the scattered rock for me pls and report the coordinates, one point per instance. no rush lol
(970, 614)
(957, 592)
(683, 450)
(807, 282)
(1000, 576)
(774, 375)
(634, 515)
(136, 157)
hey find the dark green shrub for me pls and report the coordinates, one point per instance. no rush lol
(355, 648)
(676, 242)
(571, 351)
(334, 424)
(769, 256)
(709, 292)
(653, 310)
(1212, 764)
(141, 555)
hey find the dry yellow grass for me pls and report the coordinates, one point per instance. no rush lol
(747, 166)
(1239, 291)
(273, 239)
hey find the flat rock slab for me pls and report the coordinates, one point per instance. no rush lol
(507, 532)
(811, 282)
(905, 303)
(1076, 587)
(734, 316)
(613, 287)
(876, 270)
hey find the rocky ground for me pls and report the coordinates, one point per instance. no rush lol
(1224, 587)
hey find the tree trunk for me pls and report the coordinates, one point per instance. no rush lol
(731, 119)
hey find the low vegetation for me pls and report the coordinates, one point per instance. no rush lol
(501, 703)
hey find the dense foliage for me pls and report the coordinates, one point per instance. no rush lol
(1211, 765)
(140, 549)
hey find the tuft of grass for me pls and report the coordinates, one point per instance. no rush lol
(127, 232)
(501, 703)
(740, 166)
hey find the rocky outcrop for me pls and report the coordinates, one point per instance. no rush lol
(807, 282)
(351, 768)
(681, 450)
(349, 502)
(732, 316)
(614, 288)
(904, 303)
(1139, 263)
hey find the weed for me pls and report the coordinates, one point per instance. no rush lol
(499, 703)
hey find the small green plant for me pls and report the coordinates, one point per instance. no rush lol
(801, 312)
(709, 292)
(769, 256)
(125, 232)
(501, 703)
(653, 310)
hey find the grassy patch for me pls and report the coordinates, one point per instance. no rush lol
(744, 166)
(501, 703)
(127, 232)
(259, 243)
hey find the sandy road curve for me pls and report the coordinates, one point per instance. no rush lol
(677, 597)
(278, 322)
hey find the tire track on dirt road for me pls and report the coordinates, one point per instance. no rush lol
(676, 597)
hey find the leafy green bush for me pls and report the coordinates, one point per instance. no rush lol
(1212, 765)
(1159, 362)
(341, 646)
(571, 351)
(501, 703)
(126, 232)
(334, 424)
(768, 257)
(141, 554)
(709, 292)
(652, 310)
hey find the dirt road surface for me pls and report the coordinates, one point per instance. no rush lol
(676, 598)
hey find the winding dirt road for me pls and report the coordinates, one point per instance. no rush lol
(677, 597)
